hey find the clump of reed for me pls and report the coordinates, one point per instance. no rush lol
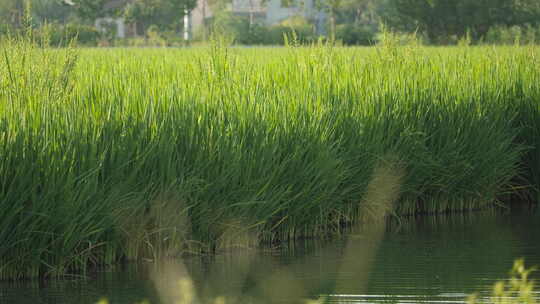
(282, 140)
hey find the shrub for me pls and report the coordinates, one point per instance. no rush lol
(351, 34)
(62, 35)
(526, 34)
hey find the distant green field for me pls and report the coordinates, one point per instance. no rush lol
(130, 153)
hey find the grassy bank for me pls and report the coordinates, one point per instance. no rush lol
(122, 153)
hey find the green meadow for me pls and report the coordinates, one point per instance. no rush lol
(125, 154)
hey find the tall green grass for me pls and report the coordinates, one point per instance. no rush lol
(113, 154)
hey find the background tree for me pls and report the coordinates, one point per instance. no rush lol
(12, 12)
(52, 11)
(350, 14)
(88, 9)
(331, 8)
(357, 12)
(165, 14)
(441, 19)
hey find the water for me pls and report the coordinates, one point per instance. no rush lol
(429, 260)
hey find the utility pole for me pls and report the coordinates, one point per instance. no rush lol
(203, 24)
(251, 13)
(187, 26)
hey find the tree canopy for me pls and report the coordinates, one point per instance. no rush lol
(351, 21)
(165, 14)
(440, 19)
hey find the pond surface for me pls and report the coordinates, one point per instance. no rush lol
(426, 260)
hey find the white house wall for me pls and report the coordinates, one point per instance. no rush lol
(276, 12)
(101, 25)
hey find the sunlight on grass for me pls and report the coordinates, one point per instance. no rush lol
(115, 154)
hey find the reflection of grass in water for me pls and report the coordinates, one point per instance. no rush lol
(280, 285)
(174, 284)
(518, 289)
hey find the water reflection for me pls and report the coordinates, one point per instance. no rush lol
(427, 260)
(402, 299)
(405, 299)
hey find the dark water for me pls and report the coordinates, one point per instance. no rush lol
(429, 260)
